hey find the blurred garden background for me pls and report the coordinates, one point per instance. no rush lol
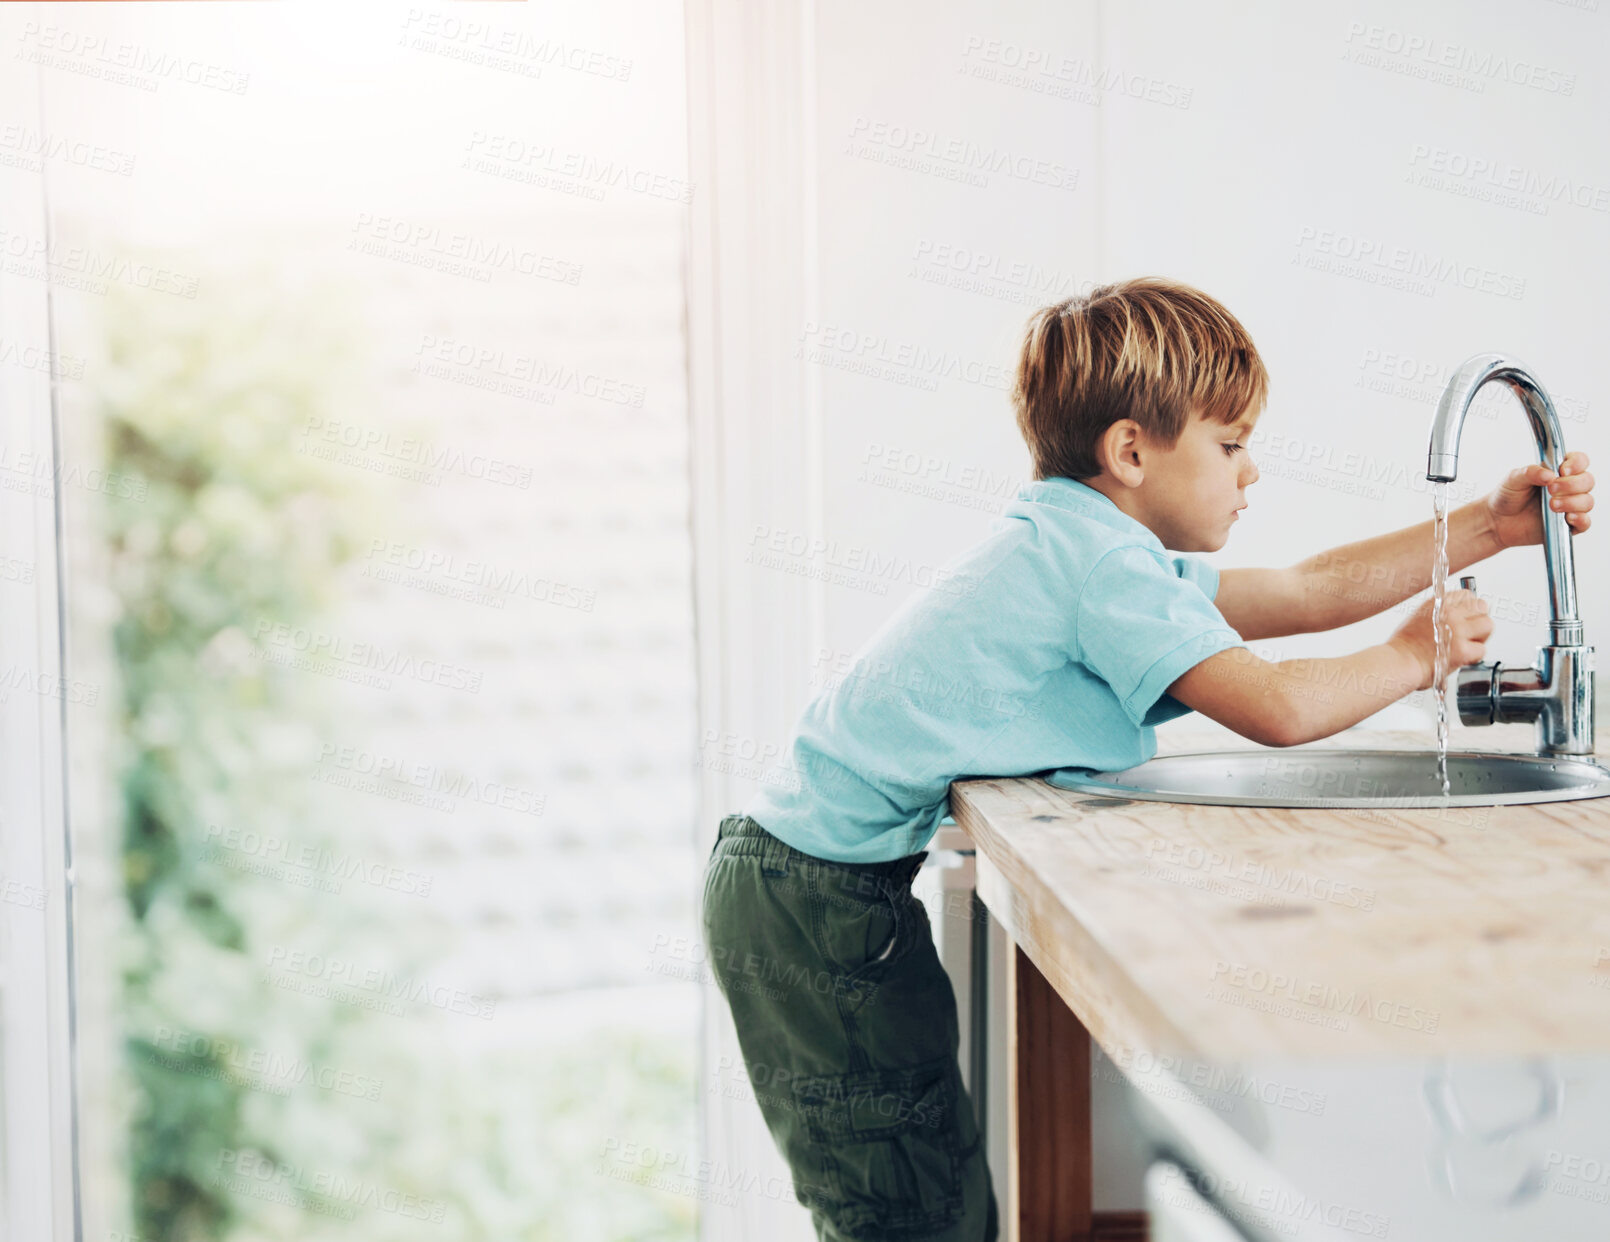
(391, 595)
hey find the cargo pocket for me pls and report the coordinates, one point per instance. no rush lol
(861, 925)
(886, 1149)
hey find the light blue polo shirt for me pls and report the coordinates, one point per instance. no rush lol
(1049, 644)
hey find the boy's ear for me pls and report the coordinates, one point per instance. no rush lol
(1120, 451)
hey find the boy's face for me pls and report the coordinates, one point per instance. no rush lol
(1187, 496)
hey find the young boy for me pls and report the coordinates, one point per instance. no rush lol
(1063, 639)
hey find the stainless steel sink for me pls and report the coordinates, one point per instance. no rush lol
(1297, 776)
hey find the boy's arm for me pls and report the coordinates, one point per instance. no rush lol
(1358, 580)
(1296, 701)
(1352, 582)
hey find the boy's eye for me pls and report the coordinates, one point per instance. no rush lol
(1231, 448)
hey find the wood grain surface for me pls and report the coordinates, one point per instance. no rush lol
(1226, 933)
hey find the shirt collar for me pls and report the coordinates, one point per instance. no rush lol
(1077, 497)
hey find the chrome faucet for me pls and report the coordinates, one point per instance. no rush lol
(1556, 691)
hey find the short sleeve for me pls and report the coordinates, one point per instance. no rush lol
(1144, 619)
(1195, 569)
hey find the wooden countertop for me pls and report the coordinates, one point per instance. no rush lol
(1224, 933)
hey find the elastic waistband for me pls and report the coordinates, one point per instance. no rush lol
(739, 834)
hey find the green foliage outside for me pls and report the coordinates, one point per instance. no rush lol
(206, 402)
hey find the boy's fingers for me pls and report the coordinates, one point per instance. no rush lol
(1571, 484)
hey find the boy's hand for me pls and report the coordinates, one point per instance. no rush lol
(1514, 512)
(1466, 627)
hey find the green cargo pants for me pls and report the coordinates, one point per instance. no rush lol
(847, 1025)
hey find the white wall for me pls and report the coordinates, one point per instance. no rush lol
(37, 694)
(930, 279)
(1285, 152)
(1245, 147)
(1293, 151)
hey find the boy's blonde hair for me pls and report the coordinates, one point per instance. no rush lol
(1149, 349)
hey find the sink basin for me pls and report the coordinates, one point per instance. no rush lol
(1295, 776)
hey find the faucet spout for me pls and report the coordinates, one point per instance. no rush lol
(1555, 692)
(1442, 466)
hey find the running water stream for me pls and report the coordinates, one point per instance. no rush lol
(1439, 592)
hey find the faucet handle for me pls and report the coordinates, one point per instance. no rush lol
(1476, 693)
